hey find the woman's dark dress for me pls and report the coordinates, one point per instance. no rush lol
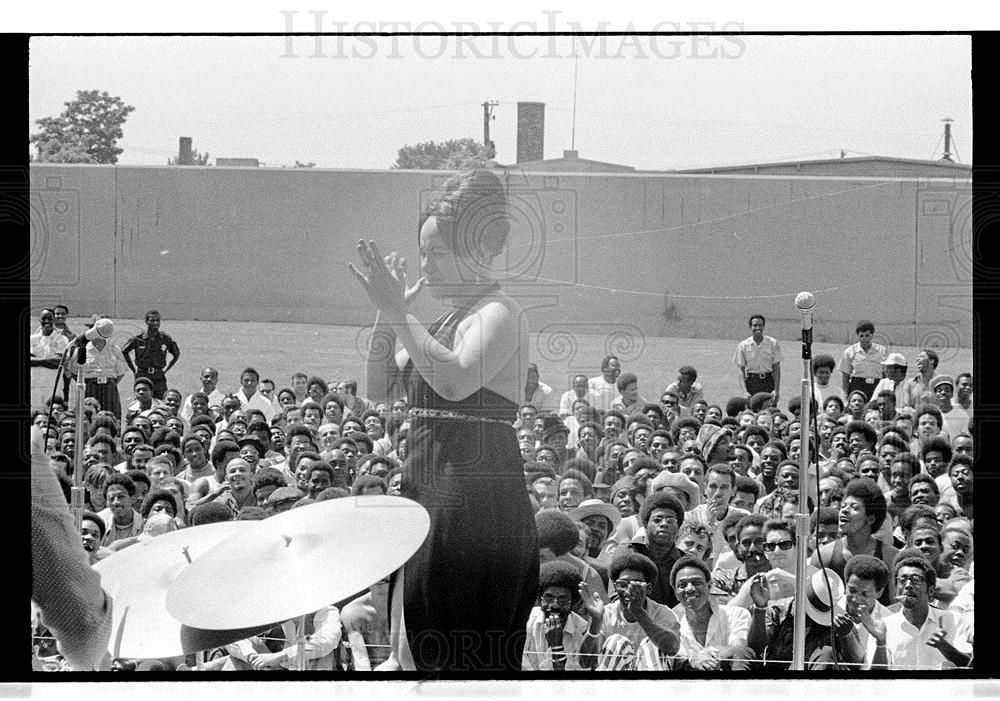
(470, 587)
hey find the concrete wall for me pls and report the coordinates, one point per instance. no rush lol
(849, 167)
(665, 254)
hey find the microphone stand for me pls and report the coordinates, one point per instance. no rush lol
(76, 493)
(802, 517)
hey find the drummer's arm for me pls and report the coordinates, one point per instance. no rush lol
(323, 641)
(353, 620)
(489, 339)
(242, 649)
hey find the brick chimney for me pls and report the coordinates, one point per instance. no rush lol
(184, 156)
(530, 131)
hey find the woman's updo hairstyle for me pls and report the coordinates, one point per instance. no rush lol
(471, 215)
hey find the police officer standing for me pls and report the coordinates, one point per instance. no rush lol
(151, 348)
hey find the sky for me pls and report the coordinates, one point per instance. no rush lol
(680, 102)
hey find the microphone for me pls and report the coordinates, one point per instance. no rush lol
(805, 302)
(102, 328)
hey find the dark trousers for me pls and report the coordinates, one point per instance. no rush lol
(157, 377)
(760, 382)
(106, 393)
(861, 384)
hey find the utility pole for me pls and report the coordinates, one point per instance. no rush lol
(947, 139)
(572, 141)
(491, 150)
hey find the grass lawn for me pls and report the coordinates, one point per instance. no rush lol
(337, 352)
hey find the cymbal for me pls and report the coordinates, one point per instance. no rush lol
(138, 578)
(298, 562)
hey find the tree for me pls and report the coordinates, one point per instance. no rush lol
(299, 164)
(87, 131)
(197, 159)
(454, 154)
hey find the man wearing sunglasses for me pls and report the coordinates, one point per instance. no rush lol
(558, 638)
(633, 621)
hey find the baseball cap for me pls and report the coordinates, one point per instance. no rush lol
(895, 359)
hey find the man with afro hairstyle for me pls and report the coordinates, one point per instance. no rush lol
(662, 515)
(558, 534)
(918, 636)
(862, 513)
(723, 643)
(634, 621)
(865, 577)
(558, 638)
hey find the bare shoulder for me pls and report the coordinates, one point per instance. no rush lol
(498, 306)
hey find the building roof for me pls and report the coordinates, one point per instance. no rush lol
(861, 164)
(572, 163)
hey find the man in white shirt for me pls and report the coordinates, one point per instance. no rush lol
(823, 366)
(46, 348)
(720, 486)
(713, 636)
(579, 390)
(758, 359)
(558, 638)
(633, 617)
(918, 636)
(604, 385)
(894, 368)
(866, 577)
(210, 386)
(955, 419)
(322, 637)
(861, 363)
(250, 398)
(537, 393)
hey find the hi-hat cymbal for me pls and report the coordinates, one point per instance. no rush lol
(138, 578)
(298, 562)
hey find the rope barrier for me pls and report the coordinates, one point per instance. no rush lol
(754, 660)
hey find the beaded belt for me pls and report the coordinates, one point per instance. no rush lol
(444, 414)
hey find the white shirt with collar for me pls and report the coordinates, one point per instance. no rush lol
(569, 397)
(729, 625)
(257, 401)
(906, 645)
(878, 614)
(537, 653)
(615, 621)
(543, 398)
(604, 393)
(215, 397)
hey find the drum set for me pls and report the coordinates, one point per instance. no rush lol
(203, 587)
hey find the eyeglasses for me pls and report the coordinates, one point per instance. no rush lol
(781, 545)
(548, 600)
(623, 584)
(669, 520)
(910, 578)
